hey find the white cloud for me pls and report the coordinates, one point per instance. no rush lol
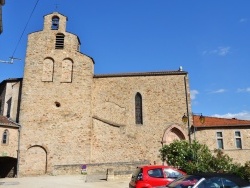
(243, 20)
(219, 91)
(243, 90)
(193, 94)
(241, 115)
(205, 52)
(221, 51)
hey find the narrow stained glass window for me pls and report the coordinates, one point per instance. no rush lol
(138, 109)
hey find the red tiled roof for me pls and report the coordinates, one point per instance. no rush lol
(219, 122)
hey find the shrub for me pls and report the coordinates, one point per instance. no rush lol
(195, 157)
(192, 158)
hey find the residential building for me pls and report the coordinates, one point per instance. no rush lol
(229, 135)
(9, 132)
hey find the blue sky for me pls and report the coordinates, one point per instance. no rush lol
(210, 39)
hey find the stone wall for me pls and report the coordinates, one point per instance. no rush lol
(69, 116)
(114, 100)
(55, 115)
(9, 149)
(209, 138)
(100, 171)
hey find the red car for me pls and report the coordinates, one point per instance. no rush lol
(154, 175)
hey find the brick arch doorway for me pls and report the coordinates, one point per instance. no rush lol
(174, 132)
(36, 160)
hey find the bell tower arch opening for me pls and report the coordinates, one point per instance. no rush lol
(55, 23)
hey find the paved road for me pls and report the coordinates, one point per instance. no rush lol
(60, 182)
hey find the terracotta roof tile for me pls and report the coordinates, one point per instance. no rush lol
(219, 122)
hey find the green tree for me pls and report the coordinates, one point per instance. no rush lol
(195, 157)
(222, 162)
(242, 171)
(192, 157)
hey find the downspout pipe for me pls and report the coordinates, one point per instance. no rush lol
(187, 108)
(18, 150)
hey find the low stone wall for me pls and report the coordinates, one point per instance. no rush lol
(100, 171)
(67, 169)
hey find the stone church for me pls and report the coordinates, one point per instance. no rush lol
(62, 118)
(68, 117)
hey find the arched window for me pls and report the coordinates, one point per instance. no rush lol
(138, 109)
(5, 138)
(55, 23)
(48, 70)
(67, 70)
(59, 41)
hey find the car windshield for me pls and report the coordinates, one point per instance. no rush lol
(171, 173)
(184, 182)
(217, 182)
(223, 180)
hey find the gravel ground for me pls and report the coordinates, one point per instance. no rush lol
(60, 182)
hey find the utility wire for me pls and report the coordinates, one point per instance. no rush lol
(24, 29)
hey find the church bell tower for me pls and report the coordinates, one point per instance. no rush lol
(56, 100)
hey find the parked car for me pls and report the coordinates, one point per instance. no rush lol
(208, 180)
(154, 175)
